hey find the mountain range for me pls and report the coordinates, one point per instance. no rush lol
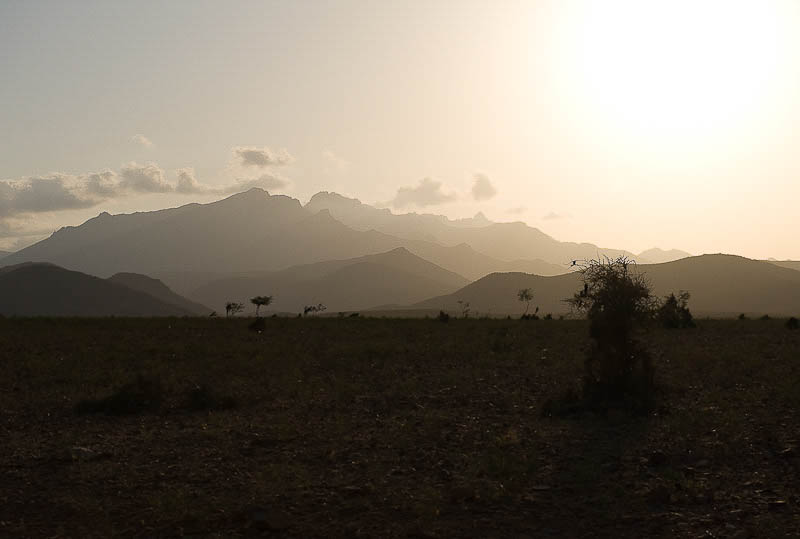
(349, 256)
(256, 231)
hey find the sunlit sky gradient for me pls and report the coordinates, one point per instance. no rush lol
(629, 124)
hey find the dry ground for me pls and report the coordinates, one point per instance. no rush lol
(389, 428)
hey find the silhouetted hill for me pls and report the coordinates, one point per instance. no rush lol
(195, 236)
(158, 290)
(719, 285)
(397, 276)
(37, 289)
(251, 231)
(791, 264)
(503, 241)
(659, 256)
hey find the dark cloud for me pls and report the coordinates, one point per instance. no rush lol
(482, 188)
(250, 156)
(427, 193)
(54, 192)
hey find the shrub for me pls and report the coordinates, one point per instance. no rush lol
(617, 302)
(143, 395)
(443, 317)
(765, 317)
(742, 317)
(674, 313)
(792, 323)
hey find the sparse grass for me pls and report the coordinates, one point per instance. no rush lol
(390, 428)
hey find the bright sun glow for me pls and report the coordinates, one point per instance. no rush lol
(676, 72)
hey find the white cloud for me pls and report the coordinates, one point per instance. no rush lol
(187, 182)
(251, 156)
(483, 189)
(517, 210)
(427, 193)
(142, 141)
(147, 178)
(338, 162)
(268, 182)
(552, 216)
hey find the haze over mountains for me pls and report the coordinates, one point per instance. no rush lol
(351, 256)
(256, 231)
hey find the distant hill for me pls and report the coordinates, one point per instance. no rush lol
(503, 241)
(720, 285)
(397, 277)
(158, 290)
(791, 264)
(4, 254)
(251, 231)
(659, 256)
(37, 289)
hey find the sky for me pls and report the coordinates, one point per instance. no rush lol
(628, 124)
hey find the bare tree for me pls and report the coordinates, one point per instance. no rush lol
(260, 301)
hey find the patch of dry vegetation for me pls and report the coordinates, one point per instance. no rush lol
(354, 426)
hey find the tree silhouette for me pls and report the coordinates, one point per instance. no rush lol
(318, 308)
(232, 308)
(526, 295)
(260, 301)
(617, 301)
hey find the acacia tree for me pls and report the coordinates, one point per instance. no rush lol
(232, 308)
(260, 301)
(525, 295)
(318, 308)
(617, 301)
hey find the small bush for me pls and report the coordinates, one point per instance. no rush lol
(792, 323)
(765, 317)
(674, 312)
(143, 395)
(742, 317)
(617, 303)
(443, 317)
(548, 316)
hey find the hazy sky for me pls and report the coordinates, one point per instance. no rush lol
(629, 124)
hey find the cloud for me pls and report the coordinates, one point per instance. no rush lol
(250, 156)
(142, 140)
(517, 210)
(36, 194)
(427, 193)
(187, 182)
(147, 178)
(267, 182)
(552, 216)
(483, 189)
(338, 162)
